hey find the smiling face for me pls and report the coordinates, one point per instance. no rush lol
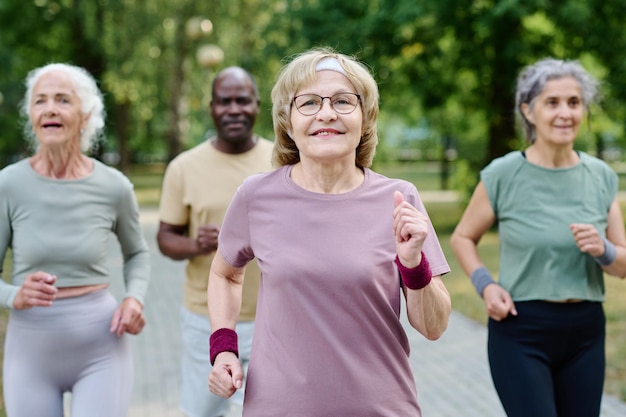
(234, 108)
(55, 111)
(327, 136)
(557, 112)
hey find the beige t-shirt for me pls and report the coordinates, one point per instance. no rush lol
(197, 188)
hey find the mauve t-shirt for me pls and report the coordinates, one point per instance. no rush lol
(328, 339)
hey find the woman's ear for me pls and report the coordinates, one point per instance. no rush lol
(85, 120)
(527, 112)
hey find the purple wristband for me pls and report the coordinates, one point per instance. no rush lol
(222, 340)
(415, 278)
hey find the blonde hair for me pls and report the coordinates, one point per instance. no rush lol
(301, 71)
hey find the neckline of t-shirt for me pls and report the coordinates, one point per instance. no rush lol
(557, 169)
(208, 143)
(320, 196)
(35, 174)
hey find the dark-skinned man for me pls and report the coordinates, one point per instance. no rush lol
(197, 188)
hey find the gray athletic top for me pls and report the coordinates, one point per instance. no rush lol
(63, 227)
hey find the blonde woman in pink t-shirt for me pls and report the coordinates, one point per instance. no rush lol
(338, 245)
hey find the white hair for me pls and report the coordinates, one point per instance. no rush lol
(87, 91)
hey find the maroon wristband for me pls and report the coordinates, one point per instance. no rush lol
(415, 278)
(222, 340)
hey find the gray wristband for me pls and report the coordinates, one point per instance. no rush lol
(609, 255)
(481, 277)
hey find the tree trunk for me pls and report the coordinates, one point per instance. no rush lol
(599, 146)
(504, 69)
(86, 52)
(174, 133)
(122, 119)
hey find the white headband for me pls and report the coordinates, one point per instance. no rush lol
(330, 64)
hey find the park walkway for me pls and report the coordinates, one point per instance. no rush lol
(452, 374)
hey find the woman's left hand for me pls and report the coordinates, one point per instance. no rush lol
(410, 227)
(587, 239)
(128, 318)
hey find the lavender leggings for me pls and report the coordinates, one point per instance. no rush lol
(67, 347)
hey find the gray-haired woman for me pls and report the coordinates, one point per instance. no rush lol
(59, 210)
(560, 229)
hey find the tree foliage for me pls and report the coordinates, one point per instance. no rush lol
(447, 68)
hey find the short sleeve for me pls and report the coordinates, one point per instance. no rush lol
(234, 238)
(172, 209)
(612, 182)
(490, 181)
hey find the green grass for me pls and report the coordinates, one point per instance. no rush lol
(147, 182)
(425, 175)
(464, 298)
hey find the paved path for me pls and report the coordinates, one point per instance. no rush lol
(452, 374)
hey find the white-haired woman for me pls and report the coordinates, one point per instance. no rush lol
(560, 229)
(59, 210)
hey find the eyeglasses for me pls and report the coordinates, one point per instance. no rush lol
(311, 104)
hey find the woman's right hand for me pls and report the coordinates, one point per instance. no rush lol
(37, 290)
(498, 302)
(226, 376)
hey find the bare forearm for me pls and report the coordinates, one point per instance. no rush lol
(475, 222)
(224, 293)
(224, 301)
(178, 247)
(429, 308)
(466, 252)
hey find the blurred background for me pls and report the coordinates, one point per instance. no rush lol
(446, 71)
(446, 68)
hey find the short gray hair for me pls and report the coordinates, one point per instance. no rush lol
(87, 91)
(533, 78)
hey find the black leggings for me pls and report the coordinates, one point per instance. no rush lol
(549, 360)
